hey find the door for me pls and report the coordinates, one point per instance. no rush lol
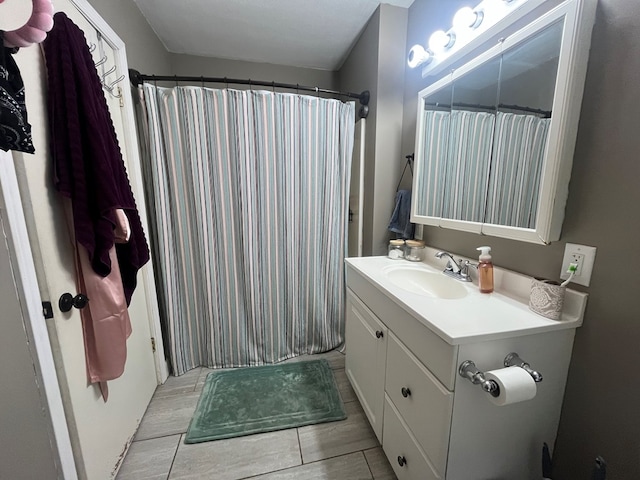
(31, 410)
(100, 432)
(25, 424)
(356, 191)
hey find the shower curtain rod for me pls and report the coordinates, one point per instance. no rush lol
(545, 113)
(138, 78)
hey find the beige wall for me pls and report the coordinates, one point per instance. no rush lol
(599, 415)
(145, 52)
(376, 64)
(360, 72)
(219, 67)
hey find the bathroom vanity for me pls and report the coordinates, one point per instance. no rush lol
(408, 330)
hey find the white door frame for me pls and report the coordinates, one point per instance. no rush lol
(130, 143)
(31, 306)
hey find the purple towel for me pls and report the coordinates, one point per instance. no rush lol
(88, 164)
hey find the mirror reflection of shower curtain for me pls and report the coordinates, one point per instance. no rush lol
(469, 156)
(457, 145)
(435, 144)
(249, 191)
(520, 142)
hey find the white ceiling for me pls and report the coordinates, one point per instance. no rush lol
(301, 33)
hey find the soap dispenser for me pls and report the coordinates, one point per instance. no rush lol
(485, 270)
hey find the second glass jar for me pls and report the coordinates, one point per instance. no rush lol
(414, 250)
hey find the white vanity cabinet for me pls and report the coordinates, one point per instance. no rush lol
(365, 367)
(433, 423)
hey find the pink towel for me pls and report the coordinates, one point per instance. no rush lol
(122, 230)
(105, 320)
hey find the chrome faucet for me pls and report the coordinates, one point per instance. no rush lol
(452, 265)
(459, 271)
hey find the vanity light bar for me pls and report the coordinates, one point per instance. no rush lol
(418, 55)
(470, 26)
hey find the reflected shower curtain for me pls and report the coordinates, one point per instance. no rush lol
(435, 145)
(469, 158)
(249, 199)
(516, 169)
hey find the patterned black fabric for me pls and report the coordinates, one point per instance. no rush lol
(15, 131)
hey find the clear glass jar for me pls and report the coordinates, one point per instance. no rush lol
(414, 251)
(396, 249)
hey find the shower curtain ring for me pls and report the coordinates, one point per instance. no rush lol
(226, 84)
(175, 79)
(202, 80)
(273, 86)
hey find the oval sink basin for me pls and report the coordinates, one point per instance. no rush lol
(418, 280)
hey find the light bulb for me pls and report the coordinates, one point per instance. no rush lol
(417, 56)
(467, 17)
(441, 40)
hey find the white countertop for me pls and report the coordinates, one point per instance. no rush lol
(477, 316)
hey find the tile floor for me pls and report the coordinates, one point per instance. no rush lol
(345, 450)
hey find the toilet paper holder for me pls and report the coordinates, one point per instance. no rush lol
(514, 360)
(471, 372)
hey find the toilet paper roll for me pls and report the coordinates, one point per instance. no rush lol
(515, 384)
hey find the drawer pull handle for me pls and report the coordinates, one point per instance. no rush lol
(402, 461)
(405, 392)
(379, 334)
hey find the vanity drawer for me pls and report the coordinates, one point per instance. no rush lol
(422, 401)
(401, 447)
(433, 351)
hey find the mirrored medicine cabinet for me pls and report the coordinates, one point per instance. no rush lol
(495, 138)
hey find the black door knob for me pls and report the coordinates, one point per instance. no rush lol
(68, 301)
(405, 392)
(402, 461)
(379, 334)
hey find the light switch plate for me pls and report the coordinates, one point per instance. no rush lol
(584, 256)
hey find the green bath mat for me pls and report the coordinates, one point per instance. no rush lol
(251, 400)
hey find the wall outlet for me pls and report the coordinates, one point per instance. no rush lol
(584, 257)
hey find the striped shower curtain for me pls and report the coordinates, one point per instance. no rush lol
(469, 159)
(482, 167)
(512, 197)
(457, 147)
(435, 144)
(249, 195)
